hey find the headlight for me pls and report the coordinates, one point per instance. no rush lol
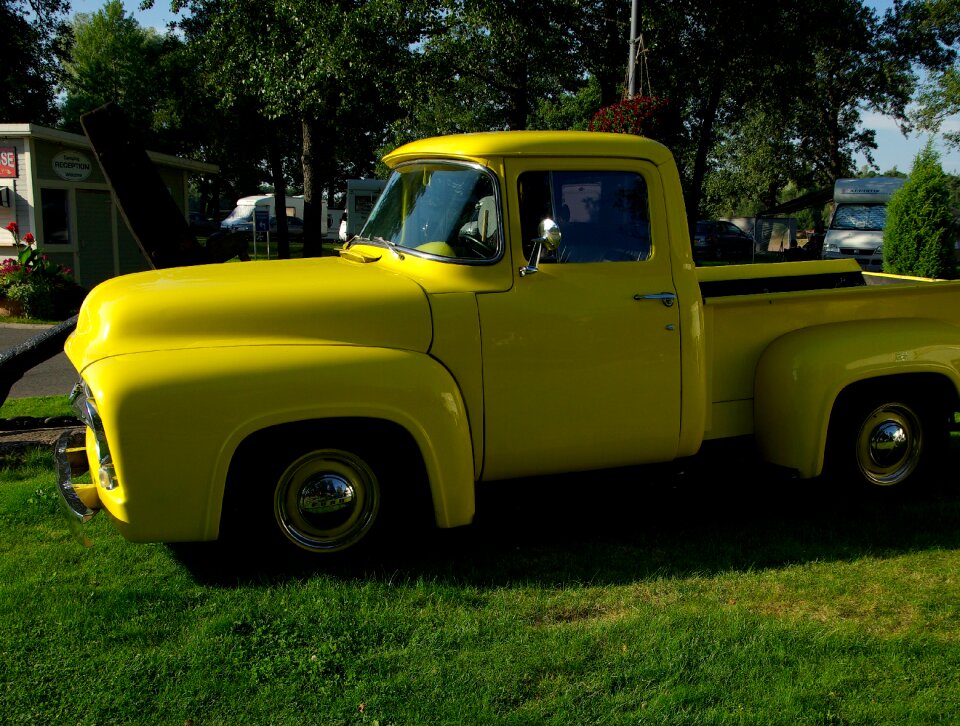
(86, 408)
(831, 247)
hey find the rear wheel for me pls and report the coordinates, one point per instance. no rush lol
(890, 444)
(885, 442)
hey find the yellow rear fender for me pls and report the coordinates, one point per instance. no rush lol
(174, 420)
(801, 374)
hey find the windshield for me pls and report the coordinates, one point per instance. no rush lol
(440, 209)
(240, 214)
(860, 216)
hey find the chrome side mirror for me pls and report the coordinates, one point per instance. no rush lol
(550, 238)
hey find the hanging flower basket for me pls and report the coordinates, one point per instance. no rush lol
(637, 115)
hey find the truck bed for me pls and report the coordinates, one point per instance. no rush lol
(746, 307)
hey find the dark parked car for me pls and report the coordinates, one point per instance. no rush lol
(202, 225)
(294, 226)
(719, 240)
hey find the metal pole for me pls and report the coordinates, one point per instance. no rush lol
(632, 62)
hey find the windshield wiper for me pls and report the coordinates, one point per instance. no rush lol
(380, 242)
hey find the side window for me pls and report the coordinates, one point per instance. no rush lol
(604, 216)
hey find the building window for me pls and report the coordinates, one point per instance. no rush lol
(56, 216)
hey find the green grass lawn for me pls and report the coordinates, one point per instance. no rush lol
(37, 407)
(623, 597)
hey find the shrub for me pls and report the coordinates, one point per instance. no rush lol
(920, 231)
(44, 289)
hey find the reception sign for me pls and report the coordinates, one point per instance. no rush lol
(72, 166)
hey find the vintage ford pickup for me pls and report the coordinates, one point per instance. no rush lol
(518, 303)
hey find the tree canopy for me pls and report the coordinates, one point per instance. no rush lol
(938, 24)
(297, 92)
(34, 40)
(113, 58)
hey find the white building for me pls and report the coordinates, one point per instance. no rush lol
(51, 185)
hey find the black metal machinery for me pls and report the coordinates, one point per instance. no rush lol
(157, 224)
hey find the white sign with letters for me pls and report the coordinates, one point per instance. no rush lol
(72, 166)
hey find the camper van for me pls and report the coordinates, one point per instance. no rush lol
(241, 218)
(859, 215)
(362, 195)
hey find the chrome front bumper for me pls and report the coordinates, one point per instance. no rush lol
(80, 500)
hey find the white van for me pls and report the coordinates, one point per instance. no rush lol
(241, 218)
(859, 215)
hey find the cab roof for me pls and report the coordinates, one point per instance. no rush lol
(532, 143)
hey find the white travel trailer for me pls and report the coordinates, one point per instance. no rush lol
(859, 215)
(241, 218)
(362, 195)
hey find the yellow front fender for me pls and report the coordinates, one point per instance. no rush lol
(800, 375)
(174, 419)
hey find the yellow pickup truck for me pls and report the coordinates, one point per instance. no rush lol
(517, 303)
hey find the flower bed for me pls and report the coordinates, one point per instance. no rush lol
(33, 286)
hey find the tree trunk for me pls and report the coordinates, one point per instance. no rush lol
(312, 192)
(707, 117)
(203, 191)
(214, 209)
(610, 75)
(518, 100)
(279, 200)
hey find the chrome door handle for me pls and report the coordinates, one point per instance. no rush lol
(667, 298)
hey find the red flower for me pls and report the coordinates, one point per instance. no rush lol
(28, 238)
(12, 227)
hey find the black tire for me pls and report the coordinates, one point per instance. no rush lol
(323, 491)
(326, 500)
(885, 442)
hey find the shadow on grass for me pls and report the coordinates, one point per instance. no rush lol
(623, 526)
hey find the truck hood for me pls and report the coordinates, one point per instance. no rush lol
(290, 302)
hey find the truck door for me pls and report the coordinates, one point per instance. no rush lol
(581, 360)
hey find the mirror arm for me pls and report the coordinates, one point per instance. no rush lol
(534, 264)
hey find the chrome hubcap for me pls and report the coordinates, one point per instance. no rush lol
(327, 500)
(889, 444)
(324, 494)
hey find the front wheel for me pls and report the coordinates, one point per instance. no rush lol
(332, 490)
(327, 500)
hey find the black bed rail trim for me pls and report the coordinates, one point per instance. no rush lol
(797, 283)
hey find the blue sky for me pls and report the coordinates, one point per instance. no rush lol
(893, 148)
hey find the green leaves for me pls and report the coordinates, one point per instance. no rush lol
(920, 229)
(34, 38)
